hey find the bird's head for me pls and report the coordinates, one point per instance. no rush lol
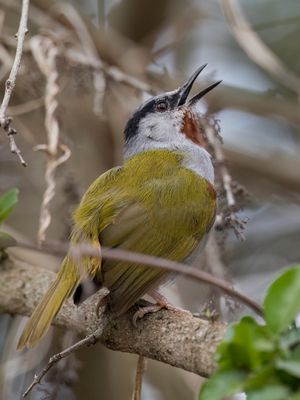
(168, 120)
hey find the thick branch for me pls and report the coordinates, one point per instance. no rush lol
(178, 339)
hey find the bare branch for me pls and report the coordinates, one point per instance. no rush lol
(5, 121)
(255, 48)
(140, 369)
(11, 81)
(176, 338)
(227, 217)
(87, 341)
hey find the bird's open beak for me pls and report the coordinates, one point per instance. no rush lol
(185, 89)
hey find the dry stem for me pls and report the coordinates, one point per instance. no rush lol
(138, 382)
(255, 48)
(87, 341)
(45, 52)
(227, 217)
(5, 121)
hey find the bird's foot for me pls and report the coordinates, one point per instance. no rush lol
(161, 303)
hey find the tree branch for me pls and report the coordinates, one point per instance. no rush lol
(175, 338)
(255, 48)
(5, 122)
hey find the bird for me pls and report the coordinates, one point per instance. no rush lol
(160, 202)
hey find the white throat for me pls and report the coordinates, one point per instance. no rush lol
(159, 131)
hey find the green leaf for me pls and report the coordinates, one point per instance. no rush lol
(6, 240)
(247, 345)
(292, 367)
(7, 202)
(291, 363)
(282, 301)
(222, 384)
(261, 377)
(295, 396)
(290, 338)
(270, 392)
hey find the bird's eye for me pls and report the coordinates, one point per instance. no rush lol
(161, 106)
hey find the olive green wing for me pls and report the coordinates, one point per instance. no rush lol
(95, 210)
(99, 207)
(170, 226)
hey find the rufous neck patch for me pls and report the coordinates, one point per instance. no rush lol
(211, 190)
(192, 129)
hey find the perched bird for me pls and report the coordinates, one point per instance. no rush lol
(161, 202)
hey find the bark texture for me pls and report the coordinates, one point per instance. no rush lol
(176, 338)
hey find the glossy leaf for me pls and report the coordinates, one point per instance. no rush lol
(282, 301)
(292, 367)
(222, 384)
(290, 338)
(247, 346)
(290, 364)
(269, 392)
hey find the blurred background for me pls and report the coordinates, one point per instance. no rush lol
(109, 56)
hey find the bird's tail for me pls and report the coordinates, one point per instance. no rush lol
(36, 327)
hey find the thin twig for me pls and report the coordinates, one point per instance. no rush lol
(45, 53)
(90, 52)
(140, 369)
(37, 16)
(255, 48)
(79, 250)
(64, 373)
(87, 341)
(5, 121)
(227, 217)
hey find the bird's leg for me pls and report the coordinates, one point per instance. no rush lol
(161, 302)
(164, 303)
(160, 299)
